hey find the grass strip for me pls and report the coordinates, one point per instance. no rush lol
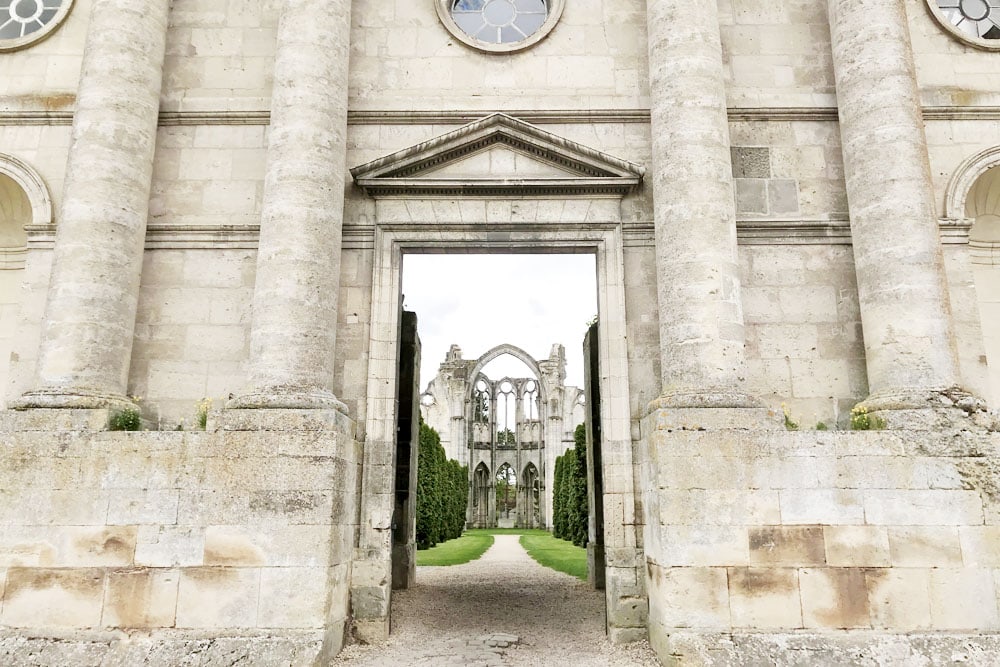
(470, 546)
(557, 554)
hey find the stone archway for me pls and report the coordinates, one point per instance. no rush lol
(24, 202)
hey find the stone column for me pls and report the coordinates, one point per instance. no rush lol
(905, 311)
(86, 342)
(698, 284)
(294, 325)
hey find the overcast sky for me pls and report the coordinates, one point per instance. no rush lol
(481, 301)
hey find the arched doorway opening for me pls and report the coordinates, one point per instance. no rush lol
(982, 204)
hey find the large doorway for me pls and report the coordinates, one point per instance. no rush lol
(603, 243)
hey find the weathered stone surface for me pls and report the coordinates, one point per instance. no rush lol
(857, 649)
(114, 649)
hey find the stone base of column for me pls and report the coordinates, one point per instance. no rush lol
(287, 398)
(704, 398)
(49, 419)
(711, 419)
(285, 419)
(951, 408)
(72, 399)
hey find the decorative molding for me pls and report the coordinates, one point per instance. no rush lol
(590, 172)
(985, 253)
(460, 117)
(30, 181)
(12, 259)
(964, 177)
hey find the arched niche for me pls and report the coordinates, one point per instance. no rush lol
(24, 201)
(974, 195)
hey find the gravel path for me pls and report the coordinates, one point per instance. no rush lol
(503, 609)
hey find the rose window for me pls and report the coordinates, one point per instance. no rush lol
(500, 25)
(26, 21)
(973, 19)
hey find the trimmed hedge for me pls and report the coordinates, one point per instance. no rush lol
(570, 511)
(442, 492)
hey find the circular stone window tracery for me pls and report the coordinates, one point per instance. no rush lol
(24, 22)
(500, 26)
(975, 22)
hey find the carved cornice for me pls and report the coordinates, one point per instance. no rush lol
(459, 117)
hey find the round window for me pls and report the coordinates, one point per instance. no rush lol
(500, 26)
(976, 22)
(24, 22)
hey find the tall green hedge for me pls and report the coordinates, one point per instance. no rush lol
(570, 511)
(442, 492)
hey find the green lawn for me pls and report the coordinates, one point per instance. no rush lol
(557, 554)
(470, 546)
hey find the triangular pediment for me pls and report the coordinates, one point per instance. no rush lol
(498, 156)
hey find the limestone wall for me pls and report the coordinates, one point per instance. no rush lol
(826, 535)
(804, 342)
(245, 531)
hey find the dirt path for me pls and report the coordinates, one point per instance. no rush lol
(503, 609)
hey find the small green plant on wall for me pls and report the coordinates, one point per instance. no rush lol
(204, 406)
(862, 420)
(129, 419)
(790, 424)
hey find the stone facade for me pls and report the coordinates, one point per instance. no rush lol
(789, 203)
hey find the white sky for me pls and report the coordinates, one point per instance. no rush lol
(481, 301)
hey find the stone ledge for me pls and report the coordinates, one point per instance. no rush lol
(808, 649)
(55, 419)
(280, 419)
(159, 649)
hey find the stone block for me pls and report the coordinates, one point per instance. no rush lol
(763, 598)
(925, 546)
(783, 196)
(980, 546)
(95, 546)
(689, 597)
(826, 506)
(751, 161)
(49, 598)
(218, 597)
(292, 597)
(751, 195)
(923, 508)
(718, 507)
(834, 598)
(170, 546)
(856, 546)
(143, 506)
(274, 545)
(899, 598)
(963, 599)
(141, 598)
(787, 546)
(704, 545)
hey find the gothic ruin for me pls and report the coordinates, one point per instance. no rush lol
(509, 427)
